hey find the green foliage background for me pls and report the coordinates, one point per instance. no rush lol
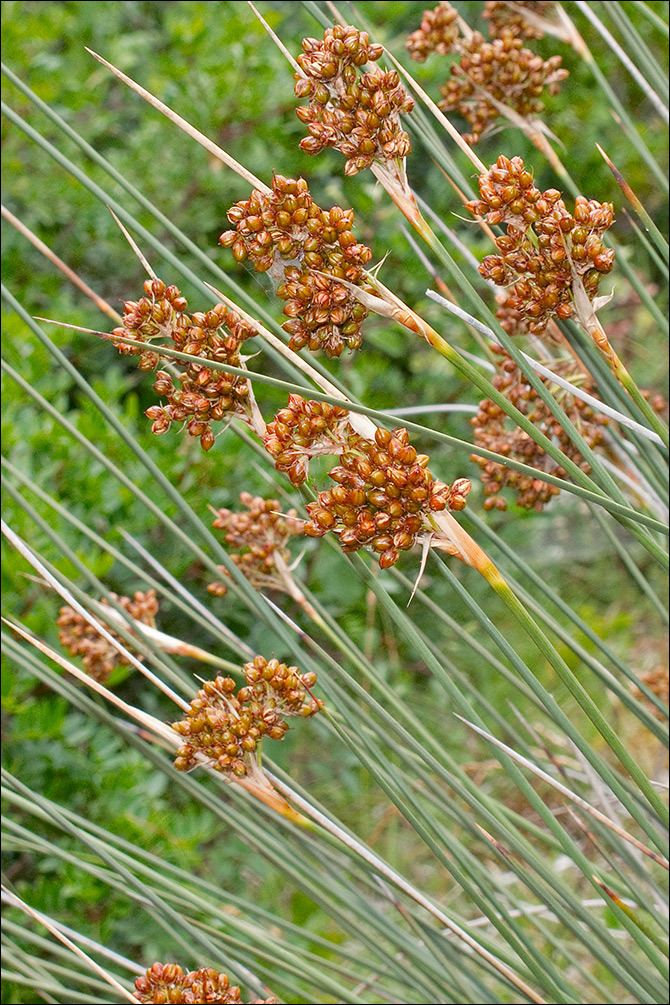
(214, 64)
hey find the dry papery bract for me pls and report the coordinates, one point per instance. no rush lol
(306, 250)
(658, 682)
(224, 726)
(501, 69)
(355, 111)
(99, 656)
(201, 396)
(495, 432)
(167, 982)
(546, 248)
(260, 535)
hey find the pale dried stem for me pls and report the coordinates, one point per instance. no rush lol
(278, 42)
(532, 128)
(399, 881)
(147, 721)
(577, 800)
(567, 31)
(337, 17)
(258, 784)
(15, 901)
(190, 130)
(141, 257)
(60, 264)
(439, 115)
(364, 426)
(292, 587)
(168, 643)
(32, 559)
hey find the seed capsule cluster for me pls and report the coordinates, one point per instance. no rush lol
(439, 33)
(204, 395)
(357, 113)
(305, 429)
(503, 69)
(307, 250)
(167, 982)
(260, 534)
(383, 497)
(501, 17)
(545, 246)
(494, 431)
(511, 319)
(161, 314)
(99, 656)
(226, 727)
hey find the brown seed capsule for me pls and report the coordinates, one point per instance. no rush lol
(543, 250)
(492, 433)
(99, 656)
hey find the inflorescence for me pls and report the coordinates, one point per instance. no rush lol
(489, 74)
(494, 431)
(502, 17)
(356, 112)
(224, 727)
(306, 250)
(260, 534)
(546, 249)
(306, 429)
(202, 395)
(167, 982)
(99, 656)
(383, 498)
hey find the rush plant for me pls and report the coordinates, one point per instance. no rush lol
(340, 426)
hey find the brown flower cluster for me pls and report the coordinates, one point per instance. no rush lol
(306, 250)
(501, 17)
(546, 248)
(357, 113)
(225, 726)
(99, 656)
(439, 33)
(383, 497)
(503, 70)
(494, 431)
(261, 535)
(167, 982)
(305, 429)
(500, 71)
(203, 395)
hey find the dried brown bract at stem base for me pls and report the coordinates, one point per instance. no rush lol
(306, 250)
(356, 112)
(658, 682)
(489, 74)
(260, 536)
(494, 431)
(224, 727)
(306, 429)
(546, 248)
(201, 396)
(167, 982)
(503, 17)
(383, 498)
(99, 656)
